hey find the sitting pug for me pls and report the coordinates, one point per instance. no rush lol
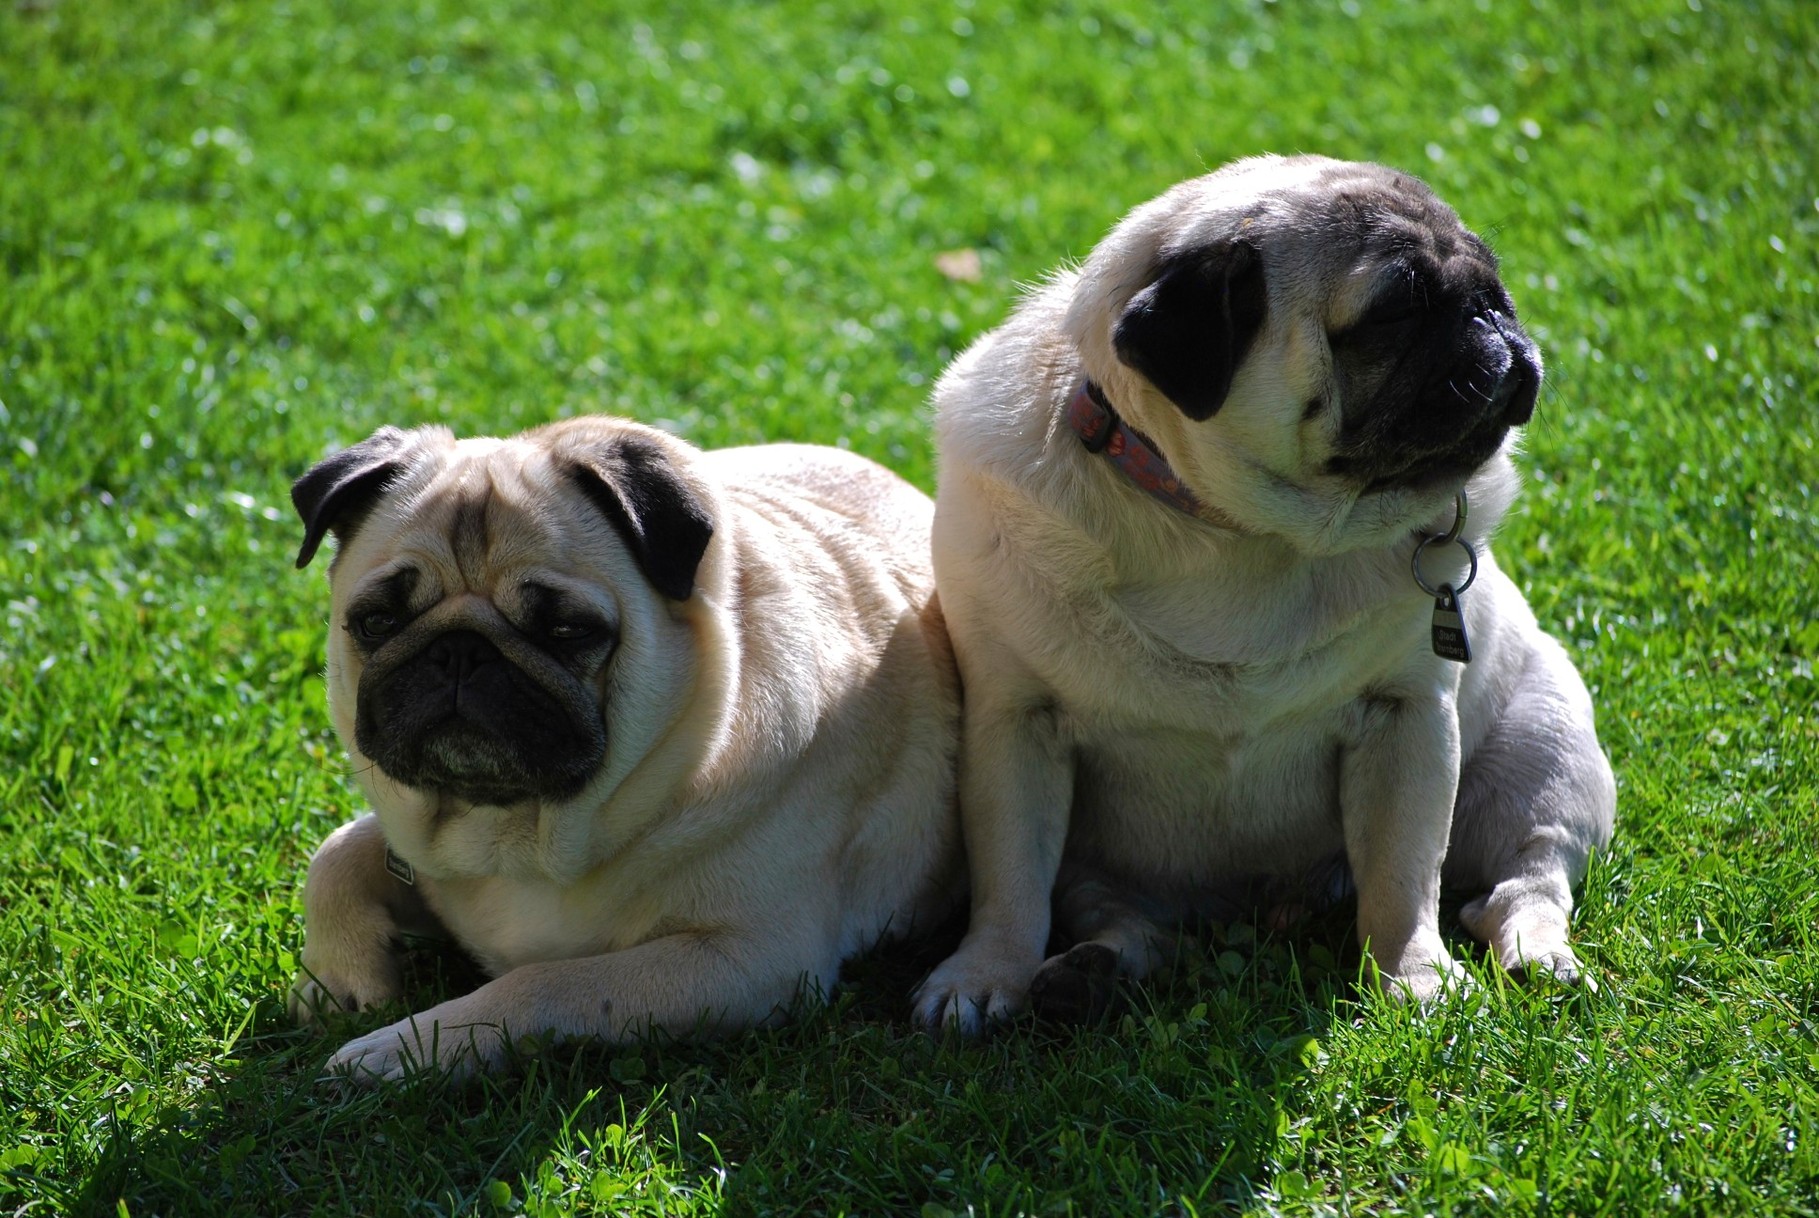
(1210, 539)
(659, 736)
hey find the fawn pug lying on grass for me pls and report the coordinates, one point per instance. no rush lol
(659, 736)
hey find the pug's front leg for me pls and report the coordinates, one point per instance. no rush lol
(353, 912)
(1016, 786)
(685, 984)
(1398, 781)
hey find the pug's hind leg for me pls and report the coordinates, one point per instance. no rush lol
(1524, 922)
(1523, 919)
(1535, 800)
(1114, 940)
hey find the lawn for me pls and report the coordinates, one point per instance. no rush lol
(235, 236)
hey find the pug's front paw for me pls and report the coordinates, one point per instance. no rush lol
(973, 989)
(331, 982)
(454, 1039)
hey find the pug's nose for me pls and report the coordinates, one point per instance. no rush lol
(1514, 384)
(458, 654)
(1515, 399)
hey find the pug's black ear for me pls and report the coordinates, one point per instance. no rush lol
(338, 493)
(663, 522)
(1189, 330)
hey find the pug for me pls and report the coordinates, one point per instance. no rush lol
(658, 736)
(1208, 518)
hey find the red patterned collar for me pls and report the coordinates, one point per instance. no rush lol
(1102, 431)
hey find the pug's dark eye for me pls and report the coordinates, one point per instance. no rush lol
(1384, 322)
(375, 625)
(1389, 313)
(569, 632)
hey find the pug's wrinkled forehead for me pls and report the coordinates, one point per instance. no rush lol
(1361, 235)
(490, 504)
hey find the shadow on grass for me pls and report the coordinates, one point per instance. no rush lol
(1175, 1097)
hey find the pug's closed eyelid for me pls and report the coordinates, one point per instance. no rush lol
(1385, 321)
(573, 630)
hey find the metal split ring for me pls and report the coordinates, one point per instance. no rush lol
(1450, 536)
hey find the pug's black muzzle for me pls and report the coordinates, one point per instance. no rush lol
(459, 716)
(1444, 406)
(1509, 386)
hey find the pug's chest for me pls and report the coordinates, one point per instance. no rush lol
(1208, 741)
(1226, 662)
(506, 923)
(1201, 808)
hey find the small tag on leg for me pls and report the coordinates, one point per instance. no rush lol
(1450, 640)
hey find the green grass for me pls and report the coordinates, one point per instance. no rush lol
(234, 236)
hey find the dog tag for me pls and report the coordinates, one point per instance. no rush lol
(404, 873)
(1450, 641)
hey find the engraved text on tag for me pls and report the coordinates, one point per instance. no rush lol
(1450, 640)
